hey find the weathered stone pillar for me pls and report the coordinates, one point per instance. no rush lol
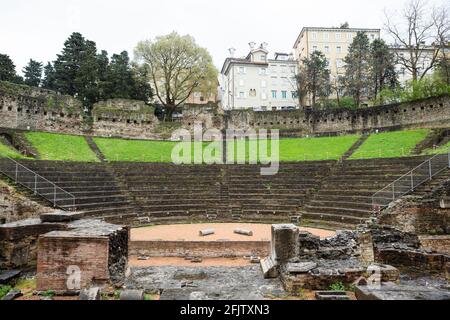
(284, 242)
(367, 255)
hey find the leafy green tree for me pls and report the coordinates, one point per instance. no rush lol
(48, 81)
(382, 62)
(357, 73)
(33, 73)
(141, 86)
(7, 69)
(177, 67)
(317, 76)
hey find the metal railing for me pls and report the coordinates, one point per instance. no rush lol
(36, 183)
(410, 181)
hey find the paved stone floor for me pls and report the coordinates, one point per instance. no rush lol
(205, 283)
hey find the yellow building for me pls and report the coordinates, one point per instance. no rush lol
(332, 42)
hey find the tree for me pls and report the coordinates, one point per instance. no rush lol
(68, 63)
(382, 67)
(104, 85)
(33, 73)
(177, 67)
(357, 72)
(141, 89)
(7, 69)
(86, 77)
(317, 76)
(48, 82)
(416, 36)
(120, 76)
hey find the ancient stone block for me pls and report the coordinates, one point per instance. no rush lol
(132, 295)
(243, 232)
(90, 294)
(387, 273)
(9, 276)
(13, 294)
(284, 242)
(207, 232)
(332, 295)
(61, 216)
(301, 267)
(366, 248)
(269, 268)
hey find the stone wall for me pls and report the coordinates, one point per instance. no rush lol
(124, 118)
(433, 112)
(27, 108)
(439, 244)
(205, 249)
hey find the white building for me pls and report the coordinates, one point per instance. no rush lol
(426, 56)
(259, 83)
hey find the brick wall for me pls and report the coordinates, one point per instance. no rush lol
(56, 255)
(439, 244)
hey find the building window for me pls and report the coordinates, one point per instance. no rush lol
(326, 36)
(242, 95)
(314, 35)
(339, 63)
(263, 71)
(372, 36)
(263, 96)
(241, 70)
(263, 57)
(284, 94)
(263, 83)
(339, 49)
(294, 94)
(314, 48)
(338, 36)
(274, 94)
(349, 36)
(327, 49)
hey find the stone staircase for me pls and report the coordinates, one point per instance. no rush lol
(345, 198)
(95, 189)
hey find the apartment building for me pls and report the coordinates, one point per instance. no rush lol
(258, 82)
(332, 42)
(426, 57)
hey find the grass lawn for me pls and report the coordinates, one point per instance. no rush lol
(7, 151)
(61, 147)
(290, 149)
(390, 144)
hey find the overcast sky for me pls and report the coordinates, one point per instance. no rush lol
(37, 28)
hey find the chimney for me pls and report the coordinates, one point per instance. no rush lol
(232, 52)
(252, 45)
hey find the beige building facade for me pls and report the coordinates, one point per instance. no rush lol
(332, 42)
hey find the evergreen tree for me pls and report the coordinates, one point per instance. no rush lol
(48, 82)
(357, 73)
(68, 64)
(7, 69)
(33, 73)
(104, 86)
(120, 76)
(383, 72)
(317, 76)
(141, 89)
(86, 77)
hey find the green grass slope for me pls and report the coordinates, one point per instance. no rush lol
(9, 152)
(390, 144)
(60, 147)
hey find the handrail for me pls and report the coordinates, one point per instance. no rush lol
(36, 176)
(409, 182)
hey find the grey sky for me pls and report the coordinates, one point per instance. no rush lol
(37, 29)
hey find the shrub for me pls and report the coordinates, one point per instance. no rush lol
(338, 286)
(4, 290)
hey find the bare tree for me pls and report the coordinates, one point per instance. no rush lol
(417, 36)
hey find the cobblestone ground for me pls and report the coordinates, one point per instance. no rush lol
(205, 283)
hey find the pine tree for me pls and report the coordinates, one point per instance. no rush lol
(120, 76)
(357, 73)
(48, 82)
(104, 86)
(7, 69)
(33, 73)
(141, 89)
(68, 64)
(383, 72)
(86, 77)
